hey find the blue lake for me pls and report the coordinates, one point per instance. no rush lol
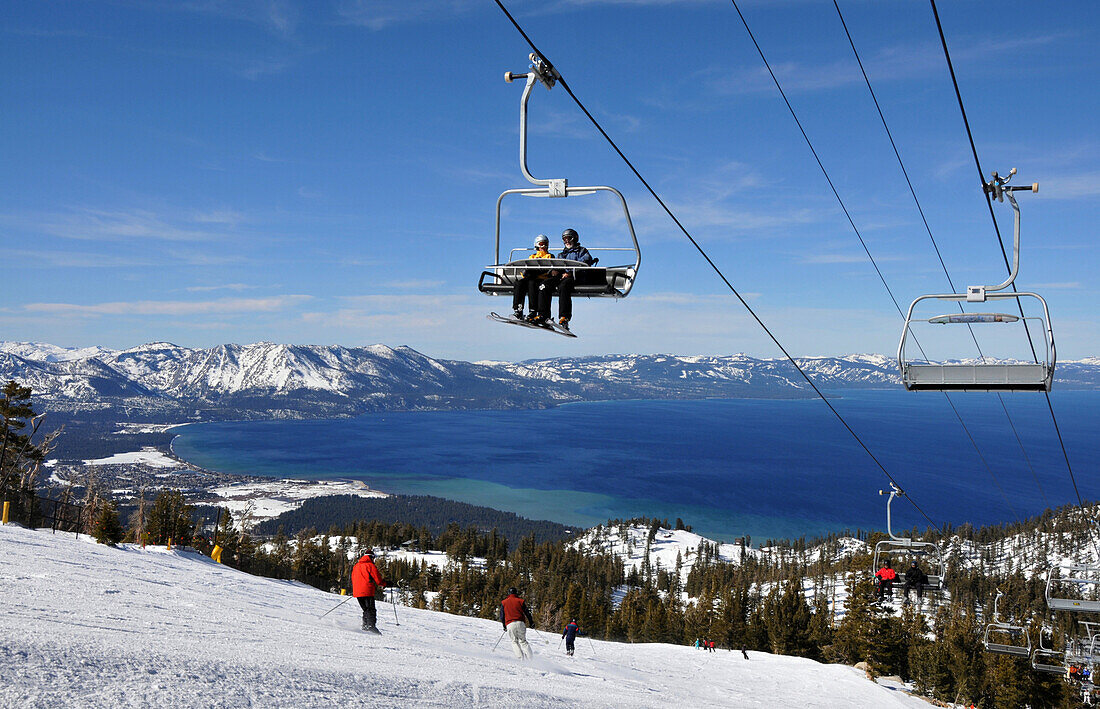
(765, 468)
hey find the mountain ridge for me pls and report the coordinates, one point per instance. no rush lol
(273, 379)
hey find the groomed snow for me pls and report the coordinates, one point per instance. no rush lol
(86, 625)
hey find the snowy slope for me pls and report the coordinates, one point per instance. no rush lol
(86, 625)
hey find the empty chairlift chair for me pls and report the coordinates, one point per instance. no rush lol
(981, 375)
(909, 549)
(613, 278)
(1085, 580)
(1004, 638)
(1045, 658)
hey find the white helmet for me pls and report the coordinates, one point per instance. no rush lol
(542, 239)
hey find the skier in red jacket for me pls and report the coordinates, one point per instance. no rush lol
(365, 581)
(884, 579)
(513, 613)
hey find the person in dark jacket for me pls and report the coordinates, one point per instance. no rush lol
(564, 281)
(365, 582)
(515, 618)
(915, 578)
(570, 635)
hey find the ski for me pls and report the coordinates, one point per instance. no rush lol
(549, 326)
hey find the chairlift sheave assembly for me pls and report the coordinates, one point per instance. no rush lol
(919, 375)
(997, 630)
(912, 548)
(592, 281)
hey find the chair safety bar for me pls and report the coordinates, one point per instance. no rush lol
(997, 628)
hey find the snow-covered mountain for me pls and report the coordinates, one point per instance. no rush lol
(92, 626)
(319, 380)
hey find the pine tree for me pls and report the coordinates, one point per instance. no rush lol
(108, 529)
(854, 636)
(787, 619)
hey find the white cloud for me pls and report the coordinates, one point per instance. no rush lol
(74, 259)
(223, 306)
(847, 258)
(1063, 285)
(379, 14)
(226, 286)
(126, 225)
(280, 17)
(1071, 186)
(424, 285)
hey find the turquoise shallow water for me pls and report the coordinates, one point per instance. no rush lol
(728, 467)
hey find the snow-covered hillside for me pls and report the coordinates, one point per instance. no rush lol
(91, 626)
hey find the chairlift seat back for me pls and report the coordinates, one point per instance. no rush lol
(1014, 650)
(1072, 604)
(1024, 376)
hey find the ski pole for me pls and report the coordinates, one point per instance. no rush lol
(394, 604)
(498, 640)
(336, 606)
(561, 641)
(593, 646)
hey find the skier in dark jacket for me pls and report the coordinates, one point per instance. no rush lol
(513, 613)
(570, 635)
(365, 582)
(915, 578)
(564, 281)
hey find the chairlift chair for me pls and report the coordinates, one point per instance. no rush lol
(1085, 650)
(998, 629)
(1081, 577)
(888, 548)
(1047, 659)
(919, 375)
(592, 281)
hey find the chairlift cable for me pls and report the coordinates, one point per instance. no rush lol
(981, 174)
(859, 236)
(989, 202)
(939, 255)
(565, 85)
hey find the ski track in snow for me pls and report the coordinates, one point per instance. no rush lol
(91, 626)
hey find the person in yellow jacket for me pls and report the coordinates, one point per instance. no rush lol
(528, 283)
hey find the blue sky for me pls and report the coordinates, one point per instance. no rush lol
(326, 172)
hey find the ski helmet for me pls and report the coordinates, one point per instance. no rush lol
(569, 234)
(542, 239)
(512, 591)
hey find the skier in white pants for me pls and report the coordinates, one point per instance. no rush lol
(515, 617)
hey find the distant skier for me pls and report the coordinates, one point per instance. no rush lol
(570, 635)
(365, 582)
(743, 653)
(915, 578)
(696, 643)
(513, 613)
